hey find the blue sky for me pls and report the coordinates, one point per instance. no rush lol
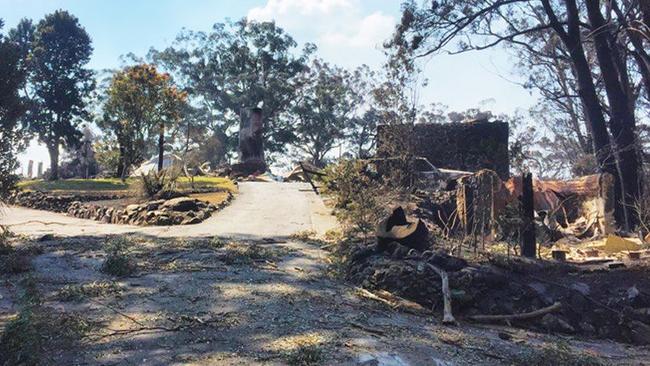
(347, 32)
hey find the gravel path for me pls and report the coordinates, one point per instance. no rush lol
(258, 210)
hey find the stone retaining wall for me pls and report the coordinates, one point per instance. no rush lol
(176, 211)
(56, 203)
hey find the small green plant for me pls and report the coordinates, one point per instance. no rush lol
(306, 356)
(156, 184)
(88, 290)
(5, 245)
(118, 262)
(217, 242)
(243, 253)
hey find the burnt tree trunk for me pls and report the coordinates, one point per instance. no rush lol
(528, 247)
(53, 150)
(622, 121)
(571, 37)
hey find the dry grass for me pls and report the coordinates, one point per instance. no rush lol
(305, 356)
(88, 290)
(115, 184)
(37, 331)
(215, 198)
(552, 354)
(244, 253)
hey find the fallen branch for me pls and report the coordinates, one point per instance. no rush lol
(448, 317)
(404, 304)
(394, 301)
(367, 328)
(122, 332)
(522, 316)
(39, 222)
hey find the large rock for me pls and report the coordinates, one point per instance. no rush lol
(132, 208)
(181, 204)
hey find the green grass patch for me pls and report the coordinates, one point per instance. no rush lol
(115, 184)
(67, 185)
(207, 182)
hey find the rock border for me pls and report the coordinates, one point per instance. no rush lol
(175, 211)
(55, 203)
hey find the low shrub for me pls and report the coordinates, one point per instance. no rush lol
(362, 198)
(157, 184)
(306, 356)
(118, 262)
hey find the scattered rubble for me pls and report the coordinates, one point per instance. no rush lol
(543, 296)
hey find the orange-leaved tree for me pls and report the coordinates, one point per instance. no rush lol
(141, 102)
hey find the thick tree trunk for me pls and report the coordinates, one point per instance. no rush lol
(622, 122)
(121, 163)
(605, 154)
(161, 146)
(53, 150)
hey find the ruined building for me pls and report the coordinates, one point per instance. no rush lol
(468, 146)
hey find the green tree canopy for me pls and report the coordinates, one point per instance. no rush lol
(12, 108)
(323, 110)
(239, 65)
(59, 83)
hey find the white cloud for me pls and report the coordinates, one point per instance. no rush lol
(371, 30)
(275, 9)
(344, 33)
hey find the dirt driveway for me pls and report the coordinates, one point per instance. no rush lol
(196, 296)
(259, 210)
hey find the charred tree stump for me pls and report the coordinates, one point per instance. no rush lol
(395, 228)
(251, 143)
(528, 247)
